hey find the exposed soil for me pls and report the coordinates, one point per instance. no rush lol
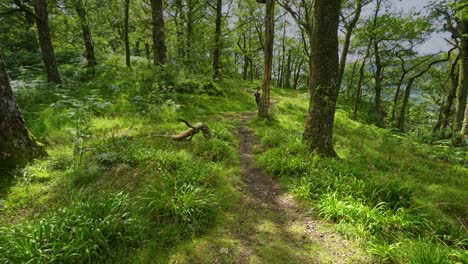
(294, 227)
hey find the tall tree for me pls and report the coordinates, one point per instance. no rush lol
(127, 42)
(409, 84)
(324, 78)
(17, 145)
(41, 18)
(217, 41)
(462, 91)
(159, 38)
(264, 106)
(349, 27)
(86, 30)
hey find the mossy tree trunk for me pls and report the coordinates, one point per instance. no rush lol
(217, 40)
(126, 40)
(85, 28)
(17, 145)
(41, 18)
(462, 91)
(264, 106)
(324, 78)
(159, 38)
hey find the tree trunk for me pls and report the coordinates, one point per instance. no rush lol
(454, 76)
(217, 40)
(159, 38)
(88, 41)
(179, 25)
(404, 106)
(287, 77)
(464, 130)
(189, 20)
(297, 74)
(378, 84)
(361, 79)
(17, 145)
(137, 48)
(127, 43)
(263, 110)
(48, 54)
(347, 40)
(397, 92)
(462, 91)
(147, 49)
(324, 78)
(440, 117)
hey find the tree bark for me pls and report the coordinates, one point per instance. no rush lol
(361, 79)
(88, 41)
(127, 42)
(324, 78)
(43, 31)
(409, 84)
(17, 145)
(159, 38)
(217, 40)
(462, 91)
(378, 84)
(347, 40)
(264, 106)
(297, 74)
(287, 75)
(454, 73)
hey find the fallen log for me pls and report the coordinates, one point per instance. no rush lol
(191, 131)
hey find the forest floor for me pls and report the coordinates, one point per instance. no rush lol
(267, 224)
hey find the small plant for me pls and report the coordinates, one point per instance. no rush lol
(383, 251)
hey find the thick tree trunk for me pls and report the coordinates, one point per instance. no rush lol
(88, 41)
(462, 91)
(127, 42)
(324, 78)
(217, 40)
(159, 38)
(48, 54)
(263, 110)
(17, 145)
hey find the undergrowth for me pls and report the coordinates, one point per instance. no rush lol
(113, 186)
(385, 190)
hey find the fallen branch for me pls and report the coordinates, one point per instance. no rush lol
(193, 130)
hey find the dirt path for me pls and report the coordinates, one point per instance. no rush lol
(284, 232)
(261, 223)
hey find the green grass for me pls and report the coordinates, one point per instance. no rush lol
(103, 135)
(386, 190)
(172, 201)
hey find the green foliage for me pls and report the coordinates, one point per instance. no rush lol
(89, 230)
(181, 195)
(371, 192)
(195, 87)
(214, 150)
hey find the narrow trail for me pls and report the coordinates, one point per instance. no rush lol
(282, 232)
